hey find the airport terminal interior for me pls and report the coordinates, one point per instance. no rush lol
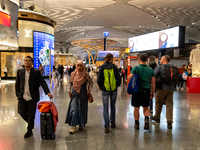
(64, 32)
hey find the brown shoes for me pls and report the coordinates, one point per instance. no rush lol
(113, 125)
(107, 130)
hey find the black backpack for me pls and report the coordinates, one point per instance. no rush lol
(171, 75)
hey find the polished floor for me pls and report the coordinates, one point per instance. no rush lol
(185, 134)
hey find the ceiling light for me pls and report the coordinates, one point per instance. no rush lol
(193, 23)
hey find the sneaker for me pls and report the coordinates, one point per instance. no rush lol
(107, 130)
(177, 88)
(136, 126)
(72, 130)
(155, 119)
(113, 125)
(169, 125)
(182, 89)
(146, 125)
(28, 134)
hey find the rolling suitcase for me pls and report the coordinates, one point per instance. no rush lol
(47, 126)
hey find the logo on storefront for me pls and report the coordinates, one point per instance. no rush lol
(28, 33)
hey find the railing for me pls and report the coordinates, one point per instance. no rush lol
(39, 6)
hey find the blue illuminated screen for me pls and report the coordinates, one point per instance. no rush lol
(43, 45)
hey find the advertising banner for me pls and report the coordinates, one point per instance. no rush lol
(43, 45)
(5, 19)
(168, 38)
(103, 54)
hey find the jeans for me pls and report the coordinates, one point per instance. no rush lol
(105, 99)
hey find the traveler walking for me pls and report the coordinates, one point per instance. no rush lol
(170, 77)
(27, 85)
(108, 80)
(5, 72)
(78, 91)
(152, 64)
(61, 71)
(182, 77)
(54, 77)
(146, 90)
(41, 69)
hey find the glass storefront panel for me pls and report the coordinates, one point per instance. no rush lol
(13, 60)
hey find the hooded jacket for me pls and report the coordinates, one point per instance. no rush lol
(100, 79)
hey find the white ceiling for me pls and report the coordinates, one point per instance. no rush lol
(80, 19)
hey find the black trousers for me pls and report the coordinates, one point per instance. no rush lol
(6, 75)
(27, 110)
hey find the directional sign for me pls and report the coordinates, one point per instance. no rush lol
(106, 34)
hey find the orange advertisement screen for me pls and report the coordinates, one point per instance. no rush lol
(5, 19)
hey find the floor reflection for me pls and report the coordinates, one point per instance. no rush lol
(184, 135)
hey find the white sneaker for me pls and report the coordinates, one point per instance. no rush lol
(177, 88)
(182, 89)
(72, 130)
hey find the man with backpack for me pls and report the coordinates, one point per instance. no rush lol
(146, 90)
(164, 93)
(108, 80)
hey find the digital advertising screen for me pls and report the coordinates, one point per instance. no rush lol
(43, 45)
(103, 54)
(168, 38)
(5, 19)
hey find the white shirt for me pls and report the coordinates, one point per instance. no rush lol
(5, 69)
(27, 94)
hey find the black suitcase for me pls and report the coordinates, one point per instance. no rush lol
(47, 126)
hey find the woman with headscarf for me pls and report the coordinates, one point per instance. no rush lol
(78, 91)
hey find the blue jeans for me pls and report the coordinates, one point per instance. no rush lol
(105, 99)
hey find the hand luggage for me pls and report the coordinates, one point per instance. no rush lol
(134, 83)
(47, 126)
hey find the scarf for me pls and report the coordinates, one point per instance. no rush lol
(79, 78)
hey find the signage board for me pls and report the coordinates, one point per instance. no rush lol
(103, 54)
(43, 45)
(168, 38)
(106, 34)
(5, 19)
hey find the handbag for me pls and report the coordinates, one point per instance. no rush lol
(90, 97)
(134, 83)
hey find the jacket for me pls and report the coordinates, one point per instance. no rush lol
(35, 80)
(100, 79)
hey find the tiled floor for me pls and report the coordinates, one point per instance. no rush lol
(184, 135)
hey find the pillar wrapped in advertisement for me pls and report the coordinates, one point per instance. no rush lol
(43, 45)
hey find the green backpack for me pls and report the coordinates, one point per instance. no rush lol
(109, 79)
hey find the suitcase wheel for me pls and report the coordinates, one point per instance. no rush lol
(53, 136)
(43, 137)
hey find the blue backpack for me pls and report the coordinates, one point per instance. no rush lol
(134, 83)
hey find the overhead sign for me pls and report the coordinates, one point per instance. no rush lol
(106, 34)
(168, 38)
(5, 19)
(127, 50)
(103, 54)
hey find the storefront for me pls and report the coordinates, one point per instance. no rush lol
(28, 23)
